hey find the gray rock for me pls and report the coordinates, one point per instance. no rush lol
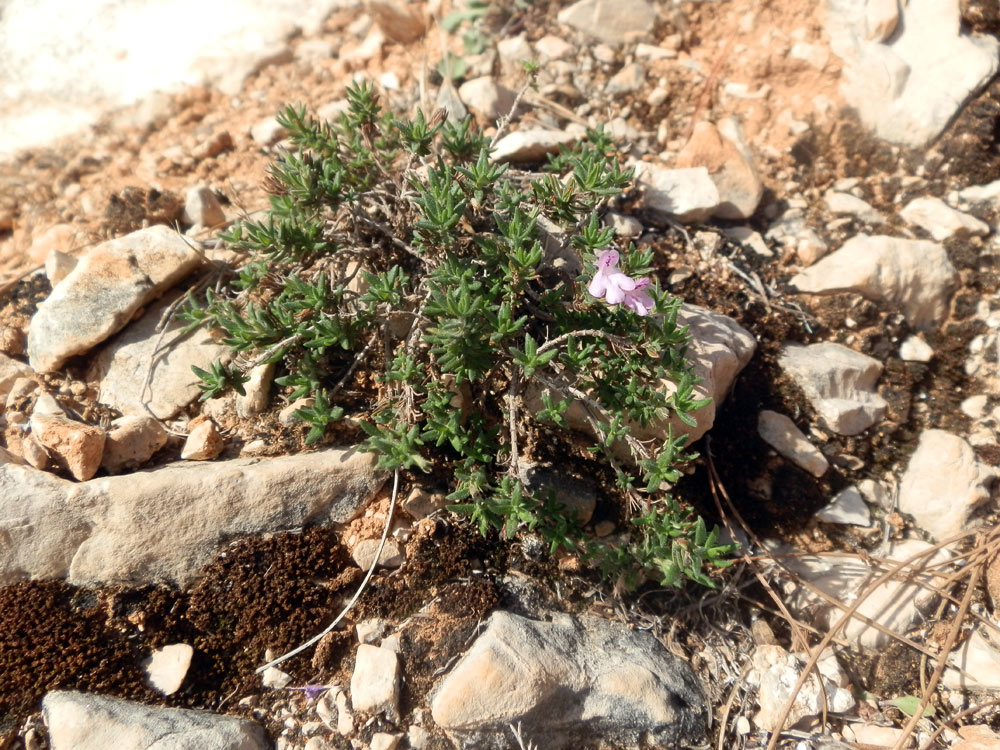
(165, 525)
(944, 484)
(630, 78)
(167, 667)
(375, 681)
(688, 195)
(486, 97)
(81, 721)
(578, 496)
(914, 274)
(565, 682)
(942, 221)
(908, 89)
(122, 365)
(784, 436)
(610, 22)
(839, 383)
(531, 145)
(99, 297)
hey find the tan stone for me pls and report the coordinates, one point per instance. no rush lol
(730, 168)
(73, 446)
(204, 441)
(132, 441)
(400, 21)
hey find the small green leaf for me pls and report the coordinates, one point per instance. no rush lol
(909, 704)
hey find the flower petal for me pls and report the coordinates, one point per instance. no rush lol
(615, 295)
(599, 285)
(607, 260)
(621, 281)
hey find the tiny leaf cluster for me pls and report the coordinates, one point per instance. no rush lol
(398, 249)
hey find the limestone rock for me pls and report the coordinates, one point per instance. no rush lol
(266, 132)
(915, 349)
(988, 193)
(10, 370)
(204, 441)
(167, 667)
(486, 97)
(845, 204)
(131, 442)
(944, 484)
(613, 23)
(364, 554)
(839, 383)
(58, 265)
(111, 282)
(940, 220)
(566, 680)
(81, 721)
(202, 208)
(630, 78)
(122, 365)
(914, 274)
(848, 507)
(784, 436)
(881, 19)
(775, 672)
(729, 164)
(257, 391)
(74, 446)
(975, 664)
(976, 737)
(909, 88)
(531, 145)
(375, 681)
(513, 51)
(896, 604)
(552, 47)
(689, 195)
(420, 503)
(165, 525)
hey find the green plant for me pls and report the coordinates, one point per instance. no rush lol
(398, 247)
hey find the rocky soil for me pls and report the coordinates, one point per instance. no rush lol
(821, 185)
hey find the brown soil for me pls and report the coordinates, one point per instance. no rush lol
(274, 593)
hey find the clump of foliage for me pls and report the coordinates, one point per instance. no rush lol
(398, 247)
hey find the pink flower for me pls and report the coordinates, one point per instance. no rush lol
(609, 282)
(617, 288)
(638, 299)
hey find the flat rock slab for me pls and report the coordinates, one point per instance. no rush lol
(100, 296)
(914, 274)
(100, 56)
(165, 525)
(567, 680)
(839, 383)
(611, 22)
(82, 721)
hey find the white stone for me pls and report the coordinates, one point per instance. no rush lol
(566, 678)
(988, 193)
(202, 207)
(108, 285)
(689, 195)
(512, 51)
(275, 679)
(875, 493)
(131, 441)
(123, 365)
(848, 507)
(531, 145)
(975, 664)
(775, 672)
(944, 484)
(845, 204)
(385, 741)
(364, 554)
(914, 274)
(551, 47)
(58, 265)
(723, 152)
(81, 721)
(974, 407)
(872, 735)
(839, 383)
(942, 221)
(816, 55)
(784, 436)
(375, 681)
(486, 97)
(915, 349)
(167, 667)
(420, 503)
(165, 525)
(345, 716)
(624, 226)
(896, 604)
(911, 87)
(881, 19)
(749, 239)
(630, 78)
(611, 22)
(257, 391)
(371, 630)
